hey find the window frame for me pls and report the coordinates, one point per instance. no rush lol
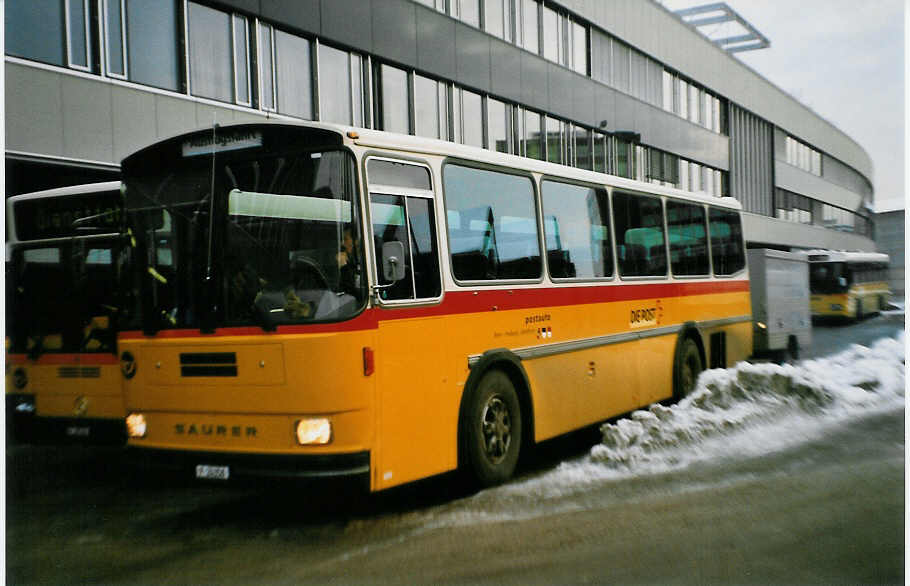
(106, 31)
(374, 256)
(87, 31)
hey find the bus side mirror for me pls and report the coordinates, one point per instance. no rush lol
(393, 261)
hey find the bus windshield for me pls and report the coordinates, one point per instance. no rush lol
(245, 237)
(63, 296)
(828, 277)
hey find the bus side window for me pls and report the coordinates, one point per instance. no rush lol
(408, 220)
(638, 224)
(726, 242)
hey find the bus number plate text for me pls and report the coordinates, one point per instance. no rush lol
(212, 472)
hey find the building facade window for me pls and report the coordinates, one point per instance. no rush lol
(467, 117)
(803, 156)
(115, 40)
(211, 53)
(431, 107)
(153, 43)
(529, 27)
(35, 29)
(78, 34)
(341, 98)
(499, 126)
(394, 109)
(531, 134)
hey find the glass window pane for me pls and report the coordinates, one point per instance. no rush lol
(469, 12)
(600, 152)
(622, 165)
(576, 224)
(688, 238)
(114, 23)
(211, 72)
(499, 129)
(357, 94)
(152, 42)
(266, 68)
(492, 225)
(532, 134)
(638, 224)
(583, 154)
(668, 91)
(394, 99)
(241, 60)
(293, 74)
(551, 34)
(392, 173)
(34, 30)
(621, 59)
(683, 99)
(472, 119)
(78, 41)
(427, 283)
(554, 141)
(579, 48)
(334, 85)
(726, 242)
(493, 18)
(529, 25)
(426, 104)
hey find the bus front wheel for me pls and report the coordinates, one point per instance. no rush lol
(492, 429)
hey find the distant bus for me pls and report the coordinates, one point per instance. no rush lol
(320, 301)
(61, 252)
(848, 284)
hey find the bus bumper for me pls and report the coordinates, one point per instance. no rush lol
(354, 467)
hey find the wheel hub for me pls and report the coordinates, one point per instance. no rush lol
(497, 429)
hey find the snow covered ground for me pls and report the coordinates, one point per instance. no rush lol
(735, 414)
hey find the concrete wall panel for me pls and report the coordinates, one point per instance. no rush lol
(435, 43)
(343, 21)
(34, 111)
(87, 122)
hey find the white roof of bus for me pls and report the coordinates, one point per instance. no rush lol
(416, 144)
(846, 256)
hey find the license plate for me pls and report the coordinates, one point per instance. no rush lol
(78, 431)
(213, 472)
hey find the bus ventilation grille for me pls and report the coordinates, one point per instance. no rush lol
(79, 372)
(208, 364)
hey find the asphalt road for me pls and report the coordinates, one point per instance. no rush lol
(826, 510)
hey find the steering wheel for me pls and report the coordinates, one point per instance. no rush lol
(308, 268)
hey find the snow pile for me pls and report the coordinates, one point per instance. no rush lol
(739, 400)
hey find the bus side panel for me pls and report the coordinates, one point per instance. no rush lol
(418, 401)
(580, 388)
(655, 361)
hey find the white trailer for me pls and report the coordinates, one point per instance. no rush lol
(781, 318)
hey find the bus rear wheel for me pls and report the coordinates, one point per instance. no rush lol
(492, 430)
(687, 368)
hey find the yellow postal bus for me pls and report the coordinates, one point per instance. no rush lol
(313, 300)
(848, 284)
(62, 363)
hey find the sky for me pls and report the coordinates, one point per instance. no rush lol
(845, 60)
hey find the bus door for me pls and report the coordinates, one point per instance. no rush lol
(417, 409)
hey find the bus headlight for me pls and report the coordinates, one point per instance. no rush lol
(317, 430)
(761, 326)
(135, 425)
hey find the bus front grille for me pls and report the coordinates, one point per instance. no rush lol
(208, 364)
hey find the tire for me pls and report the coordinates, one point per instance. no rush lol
(686, 369)
(491, 430)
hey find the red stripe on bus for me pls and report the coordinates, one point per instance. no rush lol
(477, 301)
